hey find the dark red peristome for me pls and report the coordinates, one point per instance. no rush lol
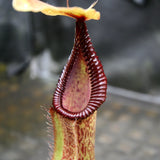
(97, 84)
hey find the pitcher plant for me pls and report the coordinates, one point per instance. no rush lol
(81, 88)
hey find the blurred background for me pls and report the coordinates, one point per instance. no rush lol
(33, 50)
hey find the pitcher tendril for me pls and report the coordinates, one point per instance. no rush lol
(67, 3)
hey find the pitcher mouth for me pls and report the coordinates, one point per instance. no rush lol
(83, 71)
